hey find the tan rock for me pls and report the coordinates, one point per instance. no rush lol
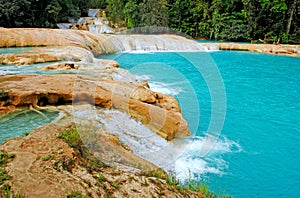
(19, 37)
(49, 54)
(46, 166)
(159, 112)
(290, 50)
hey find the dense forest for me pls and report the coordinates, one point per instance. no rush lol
(234, 20)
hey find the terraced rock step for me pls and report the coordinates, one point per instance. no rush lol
(159, 112)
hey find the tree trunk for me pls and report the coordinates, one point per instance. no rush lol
(293, 8)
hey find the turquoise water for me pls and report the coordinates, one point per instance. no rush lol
(14, 50)
(257, 154)
(19, 123)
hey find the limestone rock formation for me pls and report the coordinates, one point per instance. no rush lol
(93, 42)
(97, 43)
(159, 112)
(47, 54)
(290, 50)
(44, 165)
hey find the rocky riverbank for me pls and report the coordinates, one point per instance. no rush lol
(52, 162)
(46, 165)
(159, 112)
(281, 49)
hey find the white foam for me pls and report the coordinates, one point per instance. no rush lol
(165, 88)
(138, 137)
(182, 157)
(192, 165)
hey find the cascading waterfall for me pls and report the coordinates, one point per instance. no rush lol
(175, 156)
(155, 43)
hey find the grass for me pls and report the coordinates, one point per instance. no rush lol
(72, 138)
(189, 185)
(5, 190)
(49, 157)
(75, 195)
(4, 156)
(202, 188)
(158, 173)
(25, 133)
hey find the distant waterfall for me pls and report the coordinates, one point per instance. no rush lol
(154, 43)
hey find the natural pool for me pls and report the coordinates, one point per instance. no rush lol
(257, 154)
(20, 123)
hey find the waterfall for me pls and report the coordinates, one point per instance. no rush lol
(154, 43)
(93, 12)
(64, 25)
(101, 29)
(140, 139)
(100, 43)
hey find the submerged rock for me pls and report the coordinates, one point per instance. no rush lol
(159, 112)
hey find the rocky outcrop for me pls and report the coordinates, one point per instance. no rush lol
(18, 37)
(97, 43)
(55, 54)
(159, 112)
(47, 54)
(290, 50)
(44, 165)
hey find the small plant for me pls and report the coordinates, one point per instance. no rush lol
(71, 137)
(5, 191)
(25, 133)
(4, 156)
(172, 181)
(3, 176)
(101, 178)
(158, 173)
(202, 188)
(75, 195)
(49, 157)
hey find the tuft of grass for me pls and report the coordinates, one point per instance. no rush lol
(172, 180)
(3, 176)
(75, 195)
(201, 188)
(158, 173)
(49, 157)
(25, 133)
(5, 191)
(101, 178)
(4, 156)
(71, 137)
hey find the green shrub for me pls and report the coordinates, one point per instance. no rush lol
(71, 137)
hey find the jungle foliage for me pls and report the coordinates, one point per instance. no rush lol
(234, 20)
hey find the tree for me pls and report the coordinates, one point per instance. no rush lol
(14, 13)
(115, 10)
(154, 13)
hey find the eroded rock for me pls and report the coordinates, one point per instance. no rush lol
(44, 165)
(290, 50)
(159, 112)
